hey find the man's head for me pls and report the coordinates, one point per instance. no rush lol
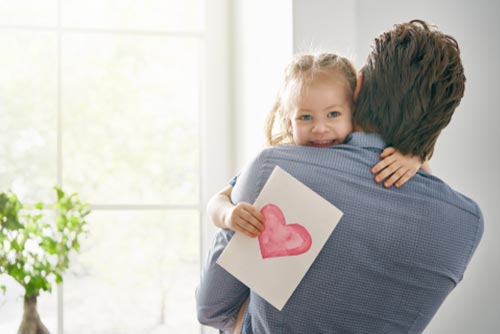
(412, 83)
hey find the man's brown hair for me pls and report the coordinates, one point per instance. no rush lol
(413, 81)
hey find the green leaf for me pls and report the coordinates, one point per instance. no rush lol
(49, 245)
(60, 193)
(9, 211)
(58, 278)
(33, 224)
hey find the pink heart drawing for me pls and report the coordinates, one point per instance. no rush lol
(280, 239)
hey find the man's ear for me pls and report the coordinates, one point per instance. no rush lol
(359, 83)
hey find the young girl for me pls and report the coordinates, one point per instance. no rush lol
(313, 108)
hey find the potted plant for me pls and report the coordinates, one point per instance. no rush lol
(35, 247)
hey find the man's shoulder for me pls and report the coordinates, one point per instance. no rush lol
(470, 205)
(288, 150)
(283, 148)
(452, 208)
(454, 197)
(284, 153)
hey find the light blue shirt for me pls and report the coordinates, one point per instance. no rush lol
(393, 258)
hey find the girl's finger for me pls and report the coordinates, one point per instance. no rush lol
(393, 178)
(387, 152)
(248, 229)
(251, 223)
(402, 180)
(386, 173)
(383, 164)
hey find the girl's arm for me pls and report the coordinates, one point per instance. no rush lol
(243, 217)
(396, 169)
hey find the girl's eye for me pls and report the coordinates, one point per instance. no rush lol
(305, 117)
(333, 114)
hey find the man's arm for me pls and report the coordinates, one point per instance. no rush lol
(220, 295)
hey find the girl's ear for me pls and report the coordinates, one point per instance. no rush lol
(359, 83)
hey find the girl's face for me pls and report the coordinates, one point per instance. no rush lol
(323, 114)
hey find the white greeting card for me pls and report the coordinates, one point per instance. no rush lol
(298, 222)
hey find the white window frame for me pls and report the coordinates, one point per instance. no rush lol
(214, 134)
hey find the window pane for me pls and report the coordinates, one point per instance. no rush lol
(130, 107)
(177, 15)
(28, 12)
(135, 274)
(11, 307)
(28, 109)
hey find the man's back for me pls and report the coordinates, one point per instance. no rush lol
(393, 258)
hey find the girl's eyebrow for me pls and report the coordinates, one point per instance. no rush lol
(333, 106)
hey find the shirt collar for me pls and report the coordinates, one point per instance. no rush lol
(363, 139)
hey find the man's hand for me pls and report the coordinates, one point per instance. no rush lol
(245, 218)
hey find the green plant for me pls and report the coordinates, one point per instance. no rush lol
(35, 249)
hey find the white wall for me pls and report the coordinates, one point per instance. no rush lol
(466, 154)
(335, 34)
(262, 46)
(216, 123)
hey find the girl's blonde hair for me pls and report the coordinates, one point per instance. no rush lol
(303, 71)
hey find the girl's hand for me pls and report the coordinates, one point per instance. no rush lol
(395, 168)
(245, 218)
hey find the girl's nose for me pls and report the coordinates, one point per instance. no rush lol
(319, 127)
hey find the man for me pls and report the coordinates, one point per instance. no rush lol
(397, 253)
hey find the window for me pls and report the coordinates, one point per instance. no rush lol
(106, 98)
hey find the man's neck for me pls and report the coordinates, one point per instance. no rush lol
(357, 128)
